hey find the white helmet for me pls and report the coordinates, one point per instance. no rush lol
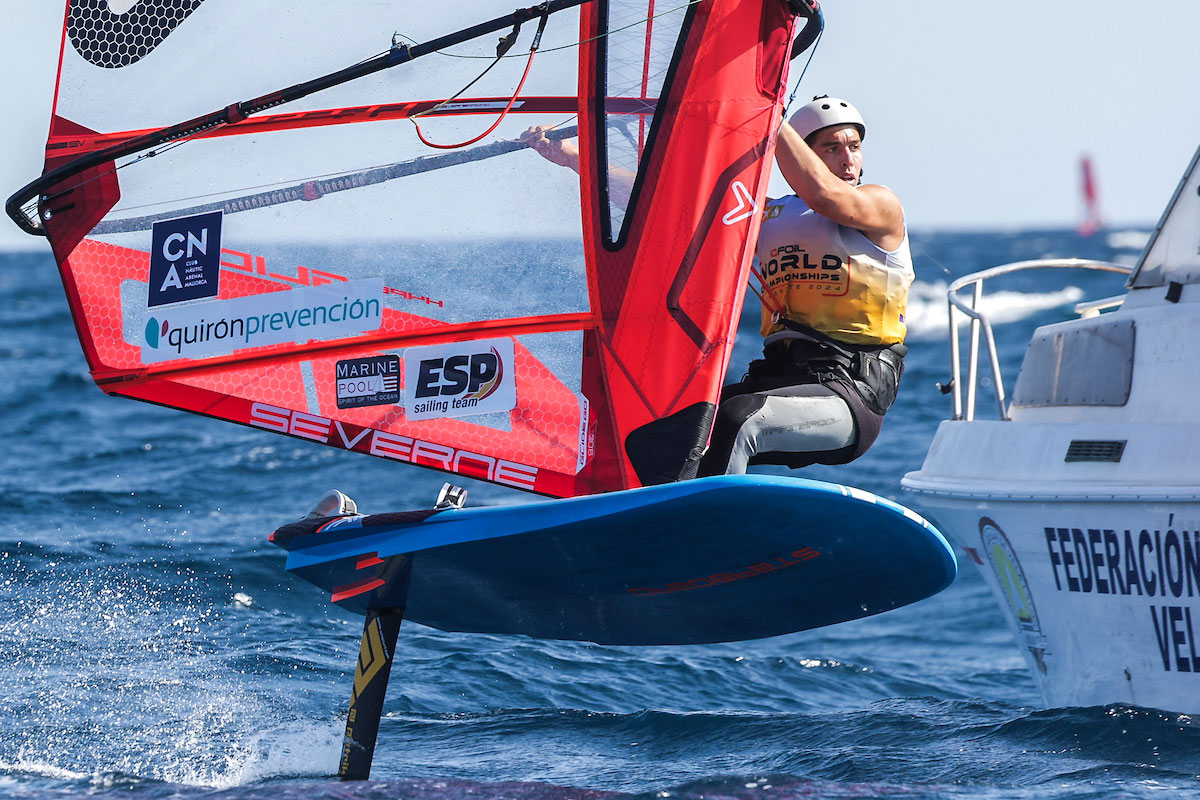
(824, 112)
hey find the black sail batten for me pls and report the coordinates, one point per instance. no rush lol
(236, 112)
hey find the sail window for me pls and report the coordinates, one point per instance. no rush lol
(641, 37)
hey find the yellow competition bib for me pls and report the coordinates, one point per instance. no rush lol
(830, 277)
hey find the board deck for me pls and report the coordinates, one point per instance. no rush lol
(709, 560)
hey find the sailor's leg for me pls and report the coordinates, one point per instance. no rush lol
(793, 419)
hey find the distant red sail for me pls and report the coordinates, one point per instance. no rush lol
(1092, 221)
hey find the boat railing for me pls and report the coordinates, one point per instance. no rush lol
(980, 324)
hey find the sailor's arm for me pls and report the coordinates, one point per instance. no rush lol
(566, 154)
(557, 151)
(874, 210)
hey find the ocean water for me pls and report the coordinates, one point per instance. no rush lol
(155, 648)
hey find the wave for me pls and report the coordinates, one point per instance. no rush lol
(1127, 239)
(928, 312)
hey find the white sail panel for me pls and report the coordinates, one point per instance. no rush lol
(226, 51)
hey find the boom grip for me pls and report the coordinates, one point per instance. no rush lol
(812, 28)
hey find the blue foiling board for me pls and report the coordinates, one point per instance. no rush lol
(708, 560)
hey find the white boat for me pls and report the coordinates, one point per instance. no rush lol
(1080, 501)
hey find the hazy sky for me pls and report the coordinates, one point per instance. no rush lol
(977, 113)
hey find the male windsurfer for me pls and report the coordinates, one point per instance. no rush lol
(836, 269)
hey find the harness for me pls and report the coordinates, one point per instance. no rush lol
(800, 354)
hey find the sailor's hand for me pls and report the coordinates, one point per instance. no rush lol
(557, 151)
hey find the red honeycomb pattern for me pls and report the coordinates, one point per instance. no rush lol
(544, 426)
(98, 271)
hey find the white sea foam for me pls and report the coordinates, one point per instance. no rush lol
(301, 749)
(36, 767)
(928, 312)
(1127, 240)
(134, 670)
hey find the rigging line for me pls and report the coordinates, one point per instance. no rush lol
(457, 94)
(510, 39)
(370, 58)
(156, 152)
(811, 53)
(606, 34)
(505, 44)
(236, 112)
(757, 293)
(279, 190)
(775, 306)
(375, 112)
(166, 148)
(595, 38)
(501, 49)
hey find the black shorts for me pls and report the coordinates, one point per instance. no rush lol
(866, 379)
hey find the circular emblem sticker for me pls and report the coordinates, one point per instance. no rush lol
(1011, 578)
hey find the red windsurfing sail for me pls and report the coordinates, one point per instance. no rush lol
(1092, 221)
(304, 264)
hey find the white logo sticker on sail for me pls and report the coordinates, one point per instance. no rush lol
(745, 204)
(459, 379)
(587, 437)
(461, 105)
(221, 327)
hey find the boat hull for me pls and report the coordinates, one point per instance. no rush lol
(1101, 596)
(1080, 503)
